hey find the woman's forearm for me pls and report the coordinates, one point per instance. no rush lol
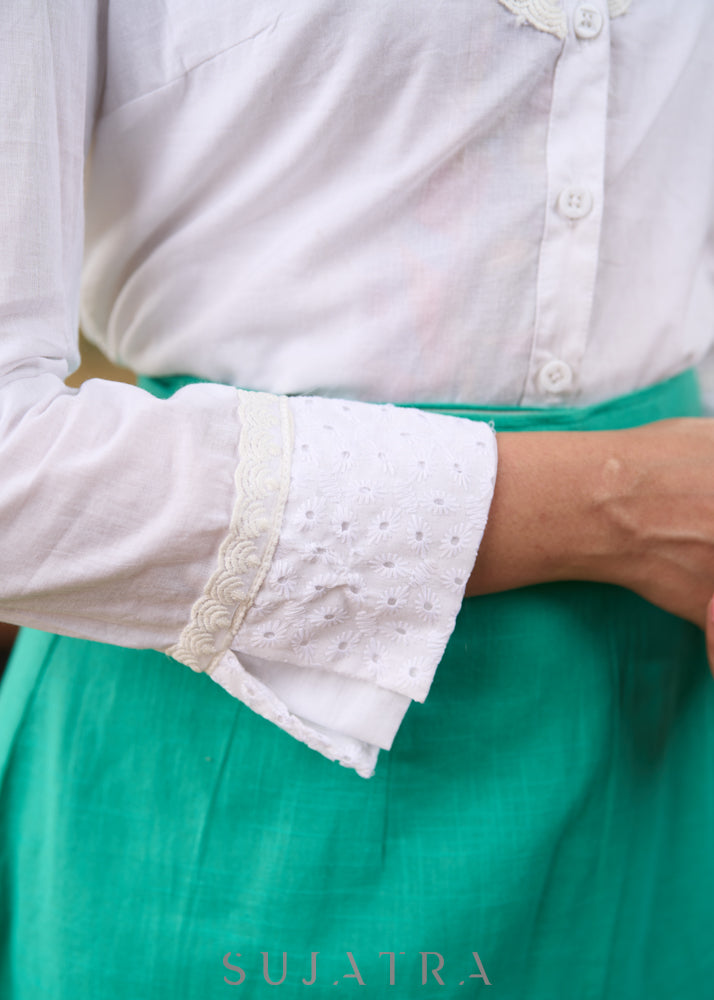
(632, 507)
(547, 520)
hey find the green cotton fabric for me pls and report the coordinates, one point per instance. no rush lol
(549, 808)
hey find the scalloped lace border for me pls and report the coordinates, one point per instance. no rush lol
(549, 15)
(262, 482)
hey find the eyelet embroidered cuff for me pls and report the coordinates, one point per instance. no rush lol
(385, 513)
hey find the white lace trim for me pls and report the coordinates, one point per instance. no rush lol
(262, 482)
(546, 15)
(549, 15)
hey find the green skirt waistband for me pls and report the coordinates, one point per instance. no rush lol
(675, 397)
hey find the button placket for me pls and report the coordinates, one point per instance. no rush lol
(569, 248)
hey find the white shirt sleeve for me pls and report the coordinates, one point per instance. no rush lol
(310, 554)
(385, 512)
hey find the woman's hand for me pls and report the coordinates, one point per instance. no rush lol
(659, 501)
(633, 508)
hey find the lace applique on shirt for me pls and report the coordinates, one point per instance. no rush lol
(546, 15)
(262, 481)
(549, 15)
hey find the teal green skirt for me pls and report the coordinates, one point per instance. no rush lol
(544, 822)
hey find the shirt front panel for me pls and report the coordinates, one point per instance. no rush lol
(376, 206)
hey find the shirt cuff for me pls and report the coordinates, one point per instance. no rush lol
(345, 616)
(336, 702)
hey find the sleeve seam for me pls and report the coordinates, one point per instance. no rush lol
(262, 482)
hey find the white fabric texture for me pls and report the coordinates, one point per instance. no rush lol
(407, 203)
(369, 572)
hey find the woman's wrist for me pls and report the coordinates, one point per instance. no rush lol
(633, 508)
(548, 519)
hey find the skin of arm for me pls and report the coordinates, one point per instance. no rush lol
(633, 508)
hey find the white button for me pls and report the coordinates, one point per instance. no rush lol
(555, 376)
(575, 202)
(588, 21)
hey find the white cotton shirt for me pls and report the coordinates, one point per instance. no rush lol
(476, 201)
